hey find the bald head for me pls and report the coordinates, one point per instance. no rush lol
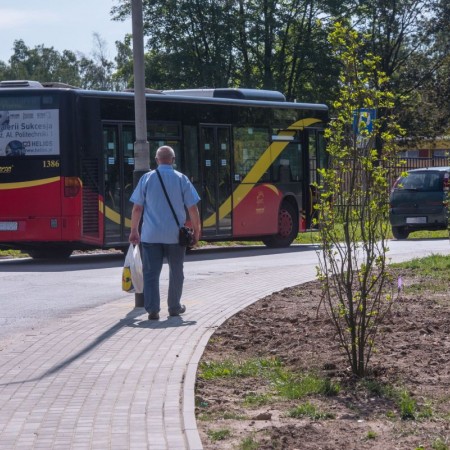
(165, 155)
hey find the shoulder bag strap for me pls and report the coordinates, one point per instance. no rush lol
(168, 199)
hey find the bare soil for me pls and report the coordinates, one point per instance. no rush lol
(413, 356)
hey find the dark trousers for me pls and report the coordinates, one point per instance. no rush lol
(152, 262)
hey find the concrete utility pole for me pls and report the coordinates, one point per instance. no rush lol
(141, 147)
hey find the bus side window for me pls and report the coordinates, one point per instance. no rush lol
(249, 145)
(288, 165)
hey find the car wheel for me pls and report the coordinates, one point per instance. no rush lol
(400, 232)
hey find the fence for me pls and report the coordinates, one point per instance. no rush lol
(418, 163)
(398, 166)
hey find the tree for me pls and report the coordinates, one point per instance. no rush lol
(97, 73)
(45, 64)
(290, 49)
(190, 40)
(124, 62)
(266, 44)
(412, 38)
(354, 190)
(41, 64)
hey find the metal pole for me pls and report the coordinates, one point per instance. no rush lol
(141, 147)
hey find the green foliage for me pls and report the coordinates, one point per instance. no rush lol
(436, 268)
(12, 254)
(45, 64)
(426, 411)
(227, 415)
(219, 435)
(249, 443)
(271, 45)
(375, 387)
(294, 386)
(286, 384)
(252, 368)
(407, 405)
(330, 388)
(257, 399)
(390, 415)
(440, 444)
(205, 417)
(353, 212)
(308, 410)
(371, 435)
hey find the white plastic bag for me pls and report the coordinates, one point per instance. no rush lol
(132, 275)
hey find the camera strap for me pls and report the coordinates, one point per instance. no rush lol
(168, 199)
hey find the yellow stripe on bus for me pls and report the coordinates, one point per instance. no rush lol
(27, 184)
(257, 171)
(112, 215)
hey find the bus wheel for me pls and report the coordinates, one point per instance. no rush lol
(50, 253)
(287, 228)
(400, 232)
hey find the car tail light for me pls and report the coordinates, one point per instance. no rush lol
(445, 182)
(72, 186)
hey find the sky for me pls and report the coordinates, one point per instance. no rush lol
(61, 24)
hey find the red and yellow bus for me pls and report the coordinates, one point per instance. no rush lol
(67, 162)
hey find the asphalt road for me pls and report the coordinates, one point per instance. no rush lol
(33, 293)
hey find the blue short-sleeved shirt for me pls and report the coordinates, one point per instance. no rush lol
(159, 226)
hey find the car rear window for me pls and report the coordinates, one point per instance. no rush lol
(421, 181)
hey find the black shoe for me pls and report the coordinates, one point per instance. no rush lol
(180, 311)
(153, 316)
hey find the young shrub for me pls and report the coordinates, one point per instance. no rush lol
(354, 200)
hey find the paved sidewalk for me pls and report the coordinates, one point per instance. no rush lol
(106, 378)
(109, 378)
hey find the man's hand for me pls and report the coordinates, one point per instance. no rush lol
(134, 238)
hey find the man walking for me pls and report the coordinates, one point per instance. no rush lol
(160, 231)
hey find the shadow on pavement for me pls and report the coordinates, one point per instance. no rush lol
(169, 322)
(128, 321)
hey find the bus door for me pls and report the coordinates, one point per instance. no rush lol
(215, 152)
(118, 154)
